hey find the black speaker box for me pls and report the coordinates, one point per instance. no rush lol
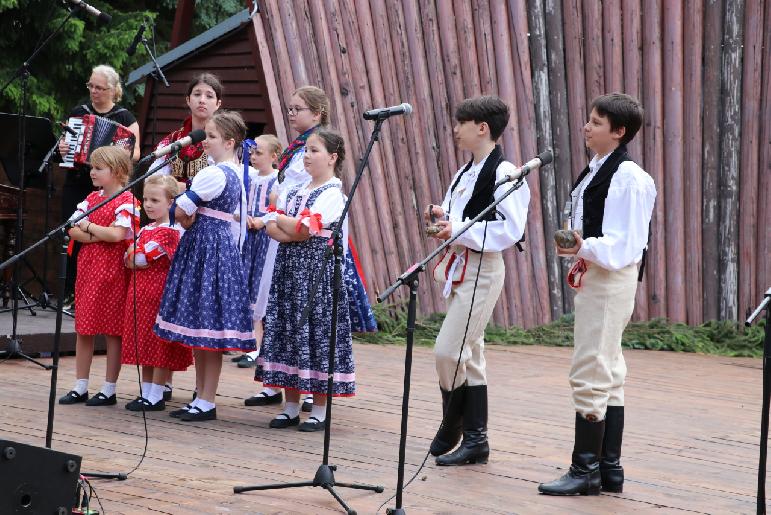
(36, 480)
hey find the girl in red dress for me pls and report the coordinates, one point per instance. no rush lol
(150, 259)
(100, 285)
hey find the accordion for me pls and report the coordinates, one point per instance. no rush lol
(93, 132)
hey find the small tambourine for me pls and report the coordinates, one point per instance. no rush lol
(565, 239)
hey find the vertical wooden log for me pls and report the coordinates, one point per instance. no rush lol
(503, 61)
(423, 159)
(548, 183)
(488, 77)
(594, 68)
(673, 160)
(281, 68)
(764, 200)
(304, 29)
(464, 25)
(451, 56)
(331, 60)
(692, 93)
(293, 43)
(612, 46)
(713, 30)
(527, 131)
(730, 145)
(631, 25)
(561, 128)
(574, 65)
(654, 154)
(750, 154)
(271, 85)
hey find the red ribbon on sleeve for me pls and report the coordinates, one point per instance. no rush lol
(314, 221)
(272, 209)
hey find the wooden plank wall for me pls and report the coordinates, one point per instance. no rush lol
(700, 67)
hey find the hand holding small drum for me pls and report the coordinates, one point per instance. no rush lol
(565, 239)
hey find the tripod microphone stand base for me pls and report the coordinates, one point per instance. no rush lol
(14, 350)
(325, 478)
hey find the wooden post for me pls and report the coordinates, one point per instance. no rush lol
(271, 85)
(542, 92)
(692, 95)
(713, 30)
(764, 199)
(613, 50)
(576, 86)
(750, 154)
(673, 160)
(730, 145)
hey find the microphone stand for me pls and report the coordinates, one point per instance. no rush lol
(765, 304)
(410, 279)
(54, 367)
(325, 477)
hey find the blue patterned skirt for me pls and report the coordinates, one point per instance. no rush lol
(293, 356)
(253, 254)
(205, 301)
(362, 317)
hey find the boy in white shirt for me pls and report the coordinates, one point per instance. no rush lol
(480, 122)
(611, 207)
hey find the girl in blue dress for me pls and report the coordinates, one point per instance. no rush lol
(294, 356)
(205, 304)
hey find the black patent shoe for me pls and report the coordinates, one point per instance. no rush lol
(311, 425)
(466, 454)
(177, 413)
(142, 404)
(263, 399)
(167, 392)
(575, 482)
(73, 397)
(196, 414)
(282, 421)
(101, 399)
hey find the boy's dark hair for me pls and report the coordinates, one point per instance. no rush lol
(622, 111)
(489, 109)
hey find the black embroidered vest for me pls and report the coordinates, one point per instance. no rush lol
(484, 187)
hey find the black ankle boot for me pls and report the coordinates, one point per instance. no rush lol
(474, 448)
(448, 435)
(583, 478)
(611, 471)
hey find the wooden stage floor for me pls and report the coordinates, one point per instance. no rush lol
(691, 443)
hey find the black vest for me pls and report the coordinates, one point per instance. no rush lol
(484, 187)
(597, 191)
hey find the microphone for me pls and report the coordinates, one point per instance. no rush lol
(67, 128)
(387, 112)
(194, 137)
(544, 158)
(91, 10)
(131, 50)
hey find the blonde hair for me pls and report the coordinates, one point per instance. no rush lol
(113, 79)
(317, 101)
(166, 182)
(230, 125)
(272, 144)
(117, 159)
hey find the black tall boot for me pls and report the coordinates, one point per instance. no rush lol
(448, 435)
(610, 461)
(583, 478)
(474, 448)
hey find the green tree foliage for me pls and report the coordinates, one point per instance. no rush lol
(59, 73)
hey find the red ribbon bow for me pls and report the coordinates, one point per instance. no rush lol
(314, 221)
(272, 209)
(576, 273)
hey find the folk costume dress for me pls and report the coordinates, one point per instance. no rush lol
(190, 160)
(205, 304)
(294, 356)
(259, 250)
(292, 174)
(100, 287)
(155, 248)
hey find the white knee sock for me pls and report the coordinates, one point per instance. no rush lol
(108, 389)
(292, 409)
(155, 394)
(319, 412)
(81, 386)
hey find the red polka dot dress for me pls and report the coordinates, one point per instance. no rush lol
(100, 285)
(157, 243)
